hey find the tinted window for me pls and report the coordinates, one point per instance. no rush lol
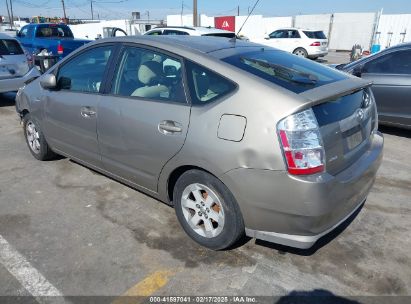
(279, 34)
(393, 63)
(10, 47)
(155, 33)
(85, 72)
(23, 32)
(205, 85)
(174, 32)
(150, 75)
(225, 35)
(286, 70)
(315, 35)
(53, 30)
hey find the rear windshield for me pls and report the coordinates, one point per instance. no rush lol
(225, 35)
(53, 30)
(338, 109)
(315, 35)
(286, 70)
(10, 47)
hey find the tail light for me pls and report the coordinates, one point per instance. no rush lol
(60, 49)
(317, 43)
(301, 143)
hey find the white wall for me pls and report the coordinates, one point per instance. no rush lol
(274, 23)
(352, 28)
(178, 20)
(254, 28)
(314, 22)
(395, 24)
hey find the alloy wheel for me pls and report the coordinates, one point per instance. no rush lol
(33, 137)
(203, 211)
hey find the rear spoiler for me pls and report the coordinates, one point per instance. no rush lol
(335, 90)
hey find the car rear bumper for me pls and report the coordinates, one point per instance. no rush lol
(13, 84)
(317, 51)
(297, 211)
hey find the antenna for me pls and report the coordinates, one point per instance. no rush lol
(249, 14)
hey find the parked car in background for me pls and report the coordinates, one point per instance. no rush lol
(192, 31)
(15, 68)
(390, 72)
(300, 42)
(240, 138)
(52, 37)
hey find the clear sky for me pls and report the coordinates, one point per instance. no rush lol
(158, 9)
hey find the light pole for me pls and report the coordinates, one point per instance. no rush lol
(195, 13)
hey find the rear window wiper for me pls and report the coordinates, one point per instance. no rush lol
(283, 72)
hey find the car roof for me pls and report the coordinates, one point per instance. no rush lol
(297, 29)
(5, 36)
(199, 29)
(401, 45)
(203, 44)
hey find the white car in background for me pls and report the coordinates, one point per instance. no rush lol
(15, 68)
(192, 31)
(305, 43)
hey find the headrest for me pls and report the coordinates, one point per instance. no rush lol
(150, 71)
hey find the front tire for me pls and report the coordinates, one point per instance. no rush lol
(301, 52)
(207, 210)
(35, 139)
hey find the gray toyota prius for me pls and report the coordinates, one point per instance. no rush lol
(242, 139)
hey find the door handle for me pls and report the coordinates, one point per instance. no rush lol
(169, 127)
(87, 112)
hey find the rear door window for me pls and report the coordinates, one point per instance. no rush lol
(286, 70)
(205, 85)
(10, 47)
(150, 75)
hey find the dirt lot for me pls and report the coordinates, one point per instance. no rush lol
(66, 230)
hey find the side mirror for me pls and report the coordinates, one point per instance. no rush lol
(48, 81)
(266, 37)
(357, 71)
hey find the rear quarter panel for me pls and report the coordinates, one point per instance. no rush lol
(262, 103)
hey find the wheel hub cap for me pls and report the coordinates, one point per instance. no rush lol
(33, 137)
(202, 210)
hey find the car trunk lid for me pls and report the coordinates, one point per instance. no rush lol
(346, 116)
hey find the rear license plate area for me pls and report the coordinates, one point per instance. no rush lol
(354, 140)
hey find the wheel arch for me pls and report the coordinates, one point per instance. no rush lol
(175, 175)
(300, 47)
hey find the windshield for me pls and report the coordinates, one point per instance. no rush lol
(10, 47)
(53, 30)
(315, 35)
(286, 70)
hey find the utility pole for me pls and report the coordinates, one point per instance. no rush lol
(8, 11)
(11, 12)
(91, 7)
(64, 10)
(238, 10)
(195, 23)
(182, 10)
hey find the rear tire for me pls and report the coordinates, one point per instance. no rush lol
(35, 139)
(207, 210)
(301, 52)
